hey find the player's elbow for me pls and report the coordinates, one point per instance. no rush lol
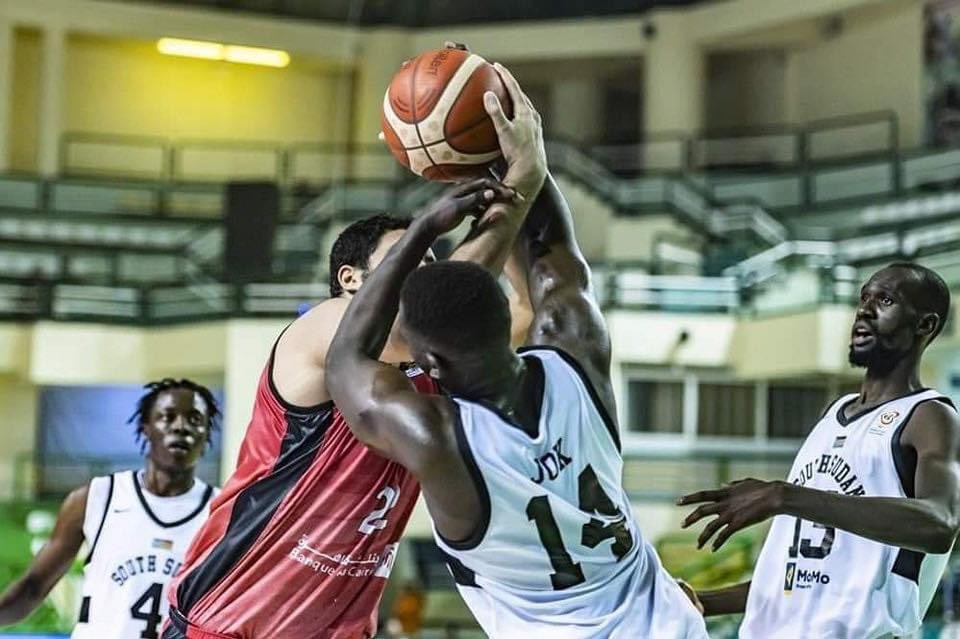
(364, 425)
(941, 535)
(22, 599)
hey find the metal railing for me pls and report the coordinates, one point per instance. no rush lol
(825, 140)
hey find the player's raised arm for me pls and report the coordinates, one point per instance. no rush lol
(565, 313)
(492, 237)
(50, 565)
(380, 406)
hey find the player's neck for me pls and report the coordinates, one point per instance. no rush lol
(498, 384)
(166, 482)
(879, 387)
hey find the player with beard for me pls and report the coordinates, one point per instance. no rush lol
(864, 525)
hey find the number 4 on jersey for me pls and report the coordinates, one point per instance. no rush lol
(151, 601)
(593, 500)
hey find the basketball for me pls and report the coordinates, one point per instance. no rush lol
(433, 116)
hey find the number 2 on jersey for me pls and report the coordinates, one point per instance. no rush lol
(151, 601)
(592, 499)
(376, 520)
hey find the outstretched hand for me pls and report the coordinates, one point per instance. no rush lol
(737, 505)
(470, 198)
(521, 139)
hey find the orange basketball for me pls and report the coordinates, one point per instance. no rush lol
(433, 116)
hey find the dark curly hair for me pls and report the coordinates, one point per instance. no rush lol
(458, 305)
(154, 389)
(357, 242)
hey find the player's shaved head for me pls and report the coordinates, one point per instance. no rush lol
(927, 291)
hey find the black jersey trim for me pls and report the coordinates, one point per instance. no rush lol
(907, 564)
(256, 505)
(905, 457)
(540, 382)
(470, 461)
(462, 576)
(844, 420)
(171, 524)
(103, 520)
(591, 389)
(316, 408)
(830, 405)
(84, 616)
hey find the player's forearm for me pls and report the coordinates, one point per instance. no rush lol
(724, 601)
(922, 525)
(366, 325)
(549, 220)
(491, 239)
(20, 599)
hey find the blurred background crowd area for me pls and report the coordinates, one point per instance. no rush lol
(172, 175)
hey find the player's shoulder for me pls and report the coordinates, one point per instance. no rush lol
(316, 326)
(933, 421)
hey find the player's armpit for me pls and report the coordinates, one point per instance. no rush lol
(50, 564)
(568, 318)
(386, 413)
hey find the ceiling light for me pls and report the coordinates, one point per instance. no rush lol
(229, 53)
(190, 48)
(253, 55)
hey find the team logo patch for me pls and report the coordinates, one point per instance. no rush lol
(788, 577)
(888, 417)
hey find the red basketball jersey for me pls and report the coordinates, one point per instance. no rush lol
(301, 540)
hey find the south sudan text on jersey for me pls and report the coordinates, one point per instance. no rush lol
(835, 467)
(145, 565)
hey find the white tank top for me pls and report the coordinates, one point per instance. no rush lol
(137, 541)
(561, 556)
(812, 581)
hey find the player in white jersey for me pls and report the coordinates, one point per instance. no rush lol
(863, 527)
(520, 463)
(136, 525)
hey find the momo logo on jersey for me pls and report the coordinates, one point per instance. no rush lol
(344, 565)
(801, 579)
(144, 565)
(550, 465)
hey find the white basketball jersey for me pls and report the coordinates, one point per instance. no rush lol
(561, 556)
(137, 542)
(816, 581)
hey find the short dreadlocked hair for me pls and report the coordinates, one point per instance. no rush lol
(154, 389)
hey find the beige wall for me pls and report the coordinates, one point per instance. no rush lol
(634, 238)
(875, 63)
(18, 429)
(128, 87)
(117, 83)
(25, 101)
(746, 89)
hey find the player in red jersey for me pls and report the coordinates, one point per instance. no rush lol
(303, 536)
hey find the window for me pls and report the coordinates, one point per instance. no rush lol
(655, 406)
(726, 410)
(793, 410)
